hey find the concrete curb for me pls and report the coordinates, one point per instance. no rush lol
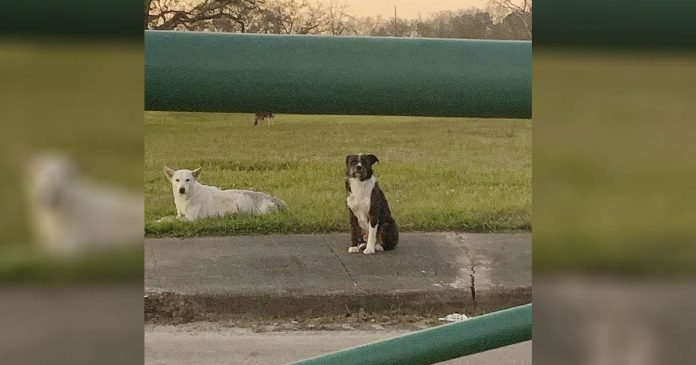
(313, 275)
(178, 308)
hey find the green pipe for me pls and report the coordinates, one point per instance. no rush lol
(224, 72)
(487, 332)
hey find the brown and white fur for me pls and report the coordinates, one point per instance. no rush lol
(261, 116)
(372, 226)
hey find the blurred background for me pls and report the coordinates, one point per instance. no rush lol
(614, 90)
(71, 258)
(63, 109)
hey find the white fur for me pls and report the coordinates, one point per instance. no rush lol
(71, 214)
(353, 249)
(200, 201)
(359, 203)
(359, 199)
(371, 241)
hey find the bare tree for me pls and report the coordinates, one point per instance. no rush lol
(147, 12)
(503, 19)
(297, 17)
(520, 9)
(523, 6)
(339, 20)
(366, 25)
(171, 14)
(314, 21)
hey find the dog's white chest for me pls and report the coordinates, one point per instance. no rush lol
(360, 198)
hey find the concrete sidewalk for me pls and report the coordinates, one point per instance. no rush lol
(314, 275)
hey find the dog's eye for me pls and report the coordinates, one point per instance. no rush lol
(188, 179)
(177, 180)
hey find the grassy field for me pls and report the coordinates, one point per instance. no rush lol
(613, 161)
(438, 174)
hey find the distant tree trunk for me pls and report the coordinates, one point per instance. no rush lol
(147, 12)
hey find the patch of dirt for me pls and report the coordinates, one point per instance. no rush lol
(360, 321)
(178, 311)
(169, 308)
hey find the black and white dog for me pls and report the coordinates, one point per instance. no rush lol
(372, 226)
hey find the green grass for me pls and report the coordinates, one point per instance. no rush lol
(438, 174)
(20, 264)
(613, 161)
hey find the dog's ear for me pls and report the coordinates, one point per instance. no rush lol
(196, 172)
(371, 159)
(169, 172)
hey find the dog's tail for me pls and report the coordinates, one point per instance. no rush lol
(389, 235)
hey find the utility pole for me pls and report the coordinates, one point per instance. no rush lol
(419, 26)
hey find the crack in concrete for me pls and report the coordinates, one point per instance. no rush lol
(344, 265)
(473, 283)
(472, 263)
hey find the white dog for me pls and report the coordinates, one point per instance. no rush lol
(194, 200)
(70, 214)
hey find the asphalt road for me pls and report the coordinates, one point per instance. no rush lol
(210, 344)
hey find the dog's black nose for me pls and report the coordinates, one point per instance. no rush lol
(182, 190)
(359, 167)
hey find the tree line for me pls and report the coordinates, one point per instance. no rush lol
(502, 19)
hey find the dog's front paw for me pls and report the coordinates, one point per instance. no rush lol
(353, 249)
(379, 247)
(369, 251)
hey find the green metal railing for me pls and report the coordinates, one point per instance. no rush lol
(441, 343)
(223, 72)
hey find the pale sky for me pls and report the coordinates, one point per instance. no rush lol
(408, 8)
